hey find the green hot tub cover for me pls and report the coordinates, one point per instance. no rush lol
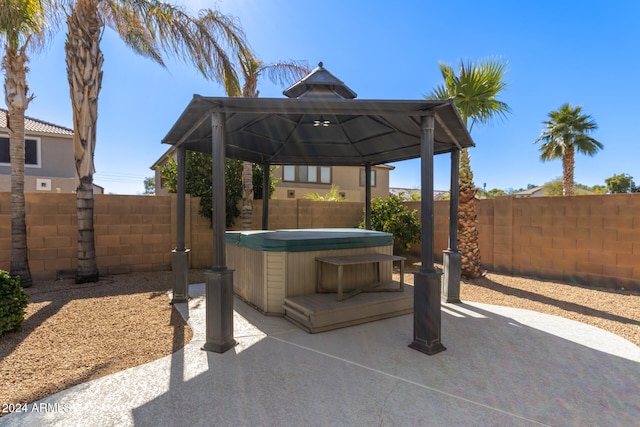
(306, 240)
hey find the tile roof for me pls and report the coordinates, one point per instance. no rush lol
(35, 125)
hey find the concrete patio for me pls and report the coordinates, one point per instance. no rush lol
(502, 366)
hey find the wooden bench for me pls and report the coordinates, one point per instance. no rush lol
(374, 259)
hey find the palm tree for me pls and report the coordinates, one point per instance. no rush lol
(22, 24)
(566, 131)
(281, 73)
(475, 92)
(150, 28)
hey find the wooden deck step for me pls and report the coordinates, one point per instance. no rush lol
(321, 312)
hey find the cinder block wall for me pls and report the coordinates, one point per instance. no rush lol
(587, 239)
(593, 240)
(302, 213)
(132, 233)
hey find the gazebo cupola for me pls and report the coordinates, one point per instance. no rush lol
(319, 83)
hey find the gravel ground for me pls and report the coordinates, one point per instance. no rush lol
(76, 333)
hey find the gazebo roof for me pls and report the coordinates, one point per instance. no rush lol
(318, 131)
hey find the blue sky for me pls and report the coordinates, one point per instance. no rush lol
(582, 52)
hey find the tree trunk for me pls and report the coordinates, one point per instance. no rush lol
(84, 71)
(16, 97)
(246, 213)
(467, 221)
(568, 165)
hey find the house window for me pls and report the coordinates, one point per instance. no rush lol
(31, 152)
(363, 177)
(316, 174)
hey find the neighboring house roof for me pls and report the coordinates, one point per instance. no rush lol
(32, 125)
(163, 158)
(408, 192)
(530, 192)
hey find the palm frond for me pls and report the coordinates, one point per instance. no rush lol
(474, 89)
(286, 72)
(23, 23)
(153, 28)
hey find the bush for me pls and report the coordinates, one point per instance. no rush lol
(391, 216)
(13, 301)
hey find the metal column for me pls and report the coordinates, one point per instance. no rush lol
(426, 302)
(180, 255)
(367, 196)
(266, 184)
(219, 280)
(452, 260)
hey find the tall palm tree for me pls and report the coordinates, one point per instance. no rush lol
(151, 28)
(280, 73)
(22, 25)
(566, 131)
(475, 91)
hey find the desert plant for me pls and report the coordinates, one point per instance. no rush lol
(13, 301)
(332, 196)
(391, 216)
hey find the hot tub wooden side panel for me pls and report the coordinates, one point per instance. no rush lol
(249, 281)
(264, 279)
(275, 282)
(301, 273)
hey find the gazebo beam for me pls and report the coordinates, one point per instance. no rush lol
(426, 300)
(219, 279)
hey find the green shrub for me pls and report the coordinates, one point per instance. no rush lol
(391, 216)
(13, 301)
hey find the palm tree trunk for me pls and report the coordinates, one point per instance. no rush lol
(84, 70)
(246, 214)
(568, 166)
(16, 89)
(467, 221)
(249, 90)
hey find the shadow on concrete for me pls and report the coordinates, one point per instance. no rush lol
(497, 370)
(564, 305)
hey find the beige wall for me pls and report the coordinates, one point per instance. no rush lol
(55, 185)
(133, 233)
(592, 240)
(347, 178)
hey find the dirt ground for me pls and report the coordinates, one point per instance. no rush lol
(76, 333)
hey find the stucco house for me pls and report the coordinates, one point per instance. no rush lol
(48, 157)
(294, 182)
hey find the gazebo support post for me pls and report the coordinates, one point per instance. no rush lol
(452, 260)
(219, 279)
(266, 187)
(180, 255)
(426, 301)
(367, 196)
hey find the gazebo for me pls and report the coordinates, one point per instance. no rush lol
(320, 123)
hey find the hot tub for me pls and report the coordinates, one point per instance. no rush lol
(271, 265)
